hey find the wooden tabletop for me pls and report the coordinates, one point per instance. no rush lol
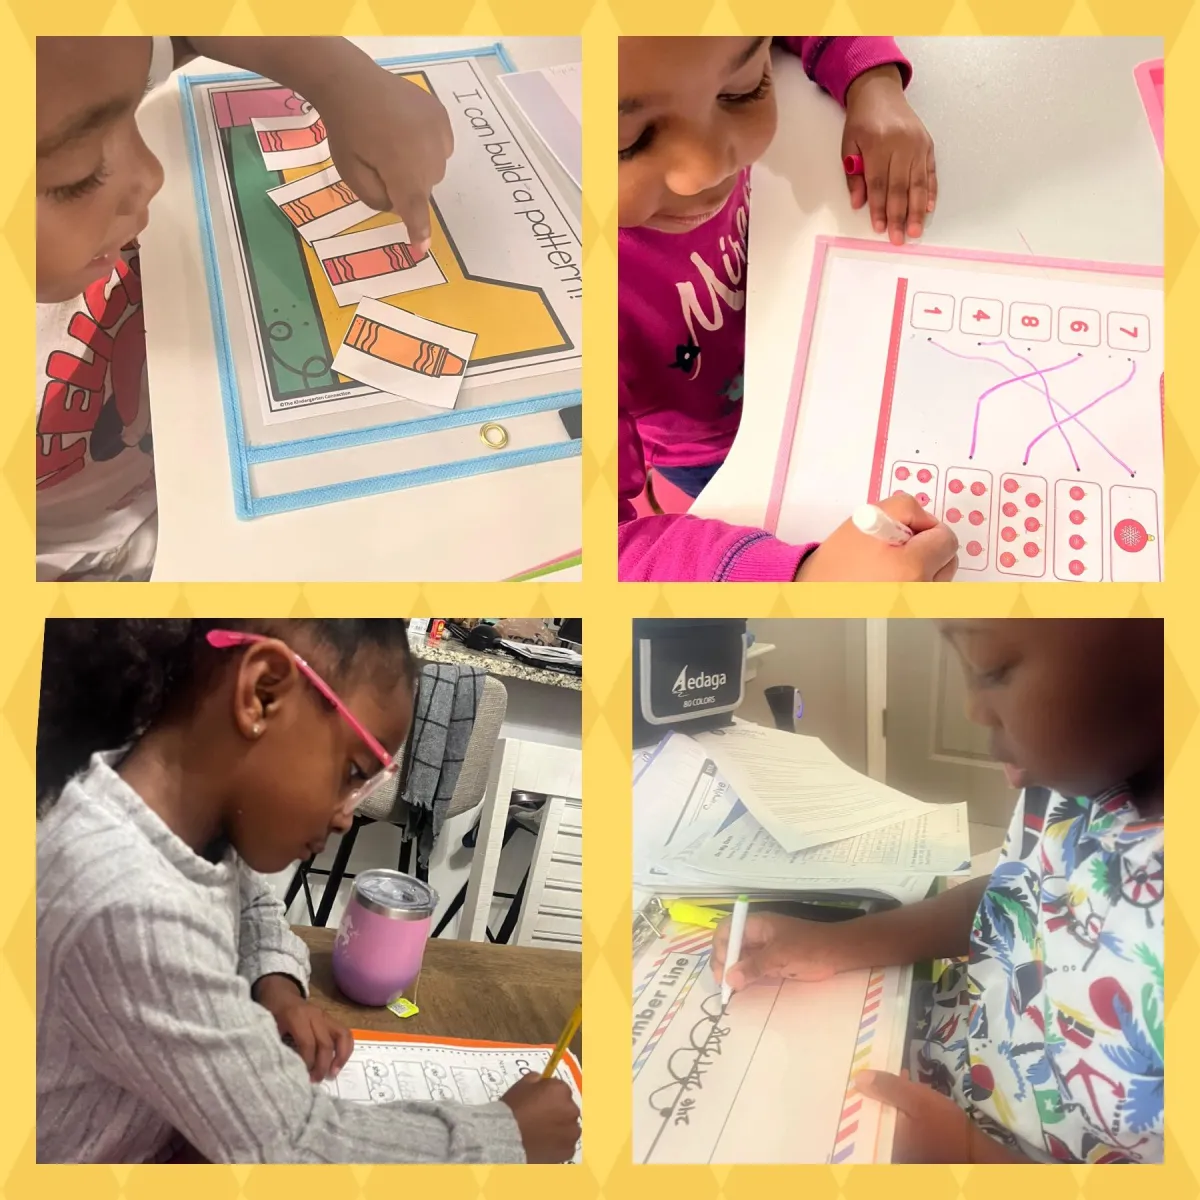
(467, 990)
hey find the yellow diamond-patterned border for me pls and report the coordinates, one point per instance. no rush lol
(606, 607)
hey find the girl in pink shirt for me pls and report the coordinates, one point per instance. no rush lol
(694, 114)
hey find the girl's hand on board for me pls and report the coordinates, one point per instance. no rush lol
(930, 1127)
(850, 556)
(899, 179)
(323, 1043)
(547, 1117)
(775, 947)
(390, 140)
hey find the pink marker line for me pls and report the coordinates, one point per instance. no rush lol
(1049, 402)
(1005, 383)
(1069, 416)
(1057, 403)
(1076, 415)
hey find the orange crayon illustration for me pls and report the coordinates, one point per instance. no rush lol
(320, 203)
(402, 349)
(366, 264)
(275, 140)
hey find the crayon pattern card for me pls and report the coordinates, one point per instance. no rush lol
(375, 263)
(1019, 399)
(405, 355)
(321, 205)
(298, 141)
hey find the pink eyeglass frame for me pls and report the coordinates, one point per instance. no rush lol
(226, 639)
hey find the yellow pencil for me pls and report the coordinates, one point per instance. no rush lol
(564, 1041)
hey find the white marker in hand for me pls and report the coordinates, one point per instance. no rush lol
(874, 522)
(737, 930)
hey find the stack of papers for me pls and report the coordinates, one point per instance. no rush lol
(756, 810)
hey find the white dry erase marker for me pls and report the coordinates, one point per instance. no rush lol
(733, 951)
(874, 522)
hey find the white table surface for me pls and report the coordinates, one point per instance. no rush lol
(395, 536)
(1043, 147)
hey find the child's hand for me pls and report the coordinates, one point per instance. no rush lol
(850, 556)
(547, 1118)
(775, 947)
(323, 1043)
(899, 178)
(930, 1127)
(390, 140)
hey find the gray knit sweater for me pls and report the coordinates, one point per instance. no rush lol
(145, 1026)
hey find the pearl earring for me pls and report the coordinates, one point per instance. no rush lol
(257, 730)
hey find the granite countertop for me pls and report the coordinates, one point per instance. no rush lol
(495, 664)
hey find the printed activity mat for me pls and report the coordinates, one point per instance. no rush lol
(387, 1067)
(1018, 399)
(770, 1080)
(352, 364)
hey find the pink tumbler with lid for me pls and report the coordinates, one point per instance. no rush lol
(381, 941)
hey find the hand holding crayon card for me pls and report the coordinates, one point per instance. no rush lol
(292, 141)
(375, 263)
(405, 355)
(320, 205)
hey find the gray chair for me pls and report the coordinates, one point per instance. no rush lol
(387, 804)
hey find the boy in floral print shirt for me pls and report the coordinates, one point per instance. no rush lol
(1045, 1043)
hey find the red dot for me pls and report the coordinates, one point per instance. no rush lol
(1011, 485)
(922, 499)
(1075, 567)
(1077, 493)
(1009, 509)
(1008, 533)
(956, 486)
(924, 475)
(1033, 499)
(1031, 549)
(1032, 524)
(978, 488)
(1077, 542)
(902, 472)
(1076, 517)
(976, 517)
(952, 515)
(974, 549)
(1008, 560)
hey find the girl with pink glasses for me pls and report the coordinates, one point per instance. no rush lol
(176, 760)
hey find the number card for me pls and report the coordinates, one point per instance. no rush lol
(968, 511)
(919, 480)
(1078, 531)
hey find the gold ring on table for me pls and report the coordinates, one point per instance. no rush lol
(493, 436)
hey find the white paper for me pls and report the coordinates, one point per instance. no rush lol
(1025, 410)
(769, 1081)
(383, 1072)
(800, 790)
(277, 155)
(299, 200)
(551, 100)
(391, 377)
(375, 263)
(935, 842)
(681, 802)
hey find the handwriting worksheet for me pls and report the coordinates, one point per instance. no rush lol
(771, 1079)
